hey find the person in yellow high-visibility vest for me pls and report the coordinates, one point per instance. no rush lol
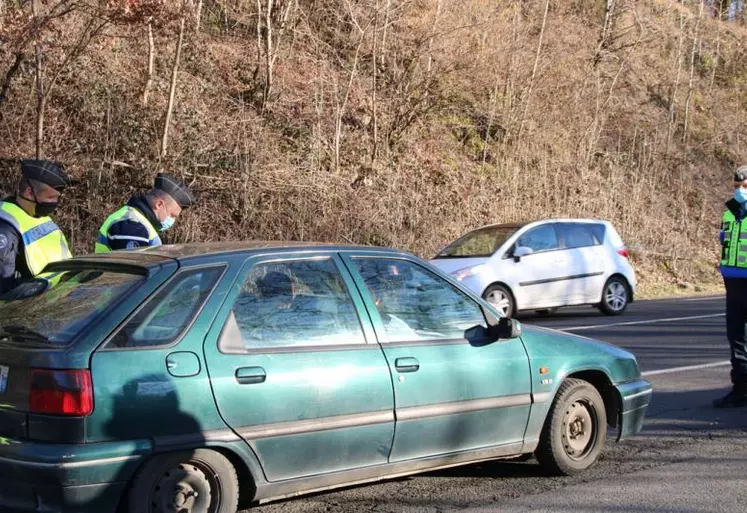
(29, 239)
(138, 223)
(733, 267)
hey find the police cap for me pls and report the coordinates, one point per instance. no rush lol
(46, 172)
(741, 174)
(175, 188)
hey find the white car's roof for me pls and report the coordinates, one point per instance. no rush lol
(541, 221)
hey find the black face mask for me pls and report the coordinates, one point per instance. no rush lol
(42, 209)
(45, 209)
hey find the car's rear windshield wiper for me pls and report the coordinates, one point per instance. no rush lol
(22, 333)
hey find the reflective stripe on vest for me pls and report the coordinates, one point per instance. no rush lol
(734, 250)
(125, 213)
(43, 241)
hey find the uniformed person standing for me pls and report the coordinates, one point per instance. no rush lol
(29, 239)
(138, 223)
(734, 271)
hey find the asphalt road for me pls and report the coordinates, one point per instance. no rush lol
(690, 457)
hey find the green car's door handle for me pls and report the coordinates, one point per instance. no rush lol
(408, 364)
(250, 375)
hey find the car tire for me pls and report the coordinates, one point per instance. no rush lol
(501, 299)
(575, 429)
(202, 481)
(615, 296)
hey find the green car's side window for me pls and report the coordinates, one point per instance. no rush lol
(415, 304)
(163, 319)
(292, 303)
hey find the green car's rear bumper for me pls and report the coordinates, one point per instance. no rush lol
(634, 400)
(84, 478)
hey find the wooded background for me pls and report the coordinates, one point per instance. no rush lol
(389, 122)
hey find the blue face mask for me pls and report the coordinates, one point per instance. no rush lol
(740, 194)
(167, 223)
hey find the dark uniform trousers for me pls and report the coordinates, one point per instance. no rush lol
(736, 328)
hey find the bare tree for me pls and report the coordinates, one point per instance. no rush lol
(198, 15)
(374, 85)
(17, 61)
(93, 26)
(151, 62)
(609, 16)
(341, 100)
(172, 89)
(717, 57)
(532, 78)
(508, 88)
(273, 19)
(696, 35)
(436, 19)
(675, 87)
(39, 81)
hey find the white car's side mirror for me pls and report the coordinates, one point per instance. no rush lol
(521, 251)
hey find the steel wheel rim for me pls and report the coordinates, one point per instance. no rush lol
(500, 301)
(187, 488)
(579, 431)
(616, 296)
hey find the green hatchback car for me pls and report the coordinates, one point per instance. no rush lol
(200, 378)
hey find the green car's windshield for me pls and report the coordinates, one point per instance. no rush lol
(482, 242)
(55, 316)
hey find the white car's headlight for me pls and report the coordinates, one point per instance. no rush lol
(467, 272)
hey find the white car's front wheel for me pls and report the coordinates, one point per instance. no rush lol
(501, 299)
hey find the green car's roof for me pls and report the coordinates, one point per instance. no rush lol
(181, 251)
(146, 257)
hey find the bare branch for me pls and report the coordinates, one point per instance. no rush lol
(696, 35)
(534, 70)
(172, 91)
(9, 76)
(151, 62)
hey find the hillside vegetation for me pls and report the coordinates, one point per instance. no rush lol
(389, 122)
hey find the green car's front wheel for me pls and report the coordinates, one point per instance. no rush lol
(199, 481)
(575, 429)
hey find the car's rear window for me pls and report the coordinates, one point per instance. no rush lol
(56, 316)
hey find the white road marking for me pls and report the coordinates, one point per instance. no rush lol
(649, 321)
(720, 298)
(689, 367)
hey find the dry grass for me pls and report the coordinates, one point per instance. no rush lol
(464, 135)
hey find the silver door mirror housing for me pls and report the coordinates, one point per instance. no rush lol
(521, 251)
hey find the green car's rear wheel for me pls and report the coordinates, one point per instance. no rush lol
(200, 481)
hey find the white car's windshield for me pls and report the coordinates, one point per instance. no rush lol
(482, 242)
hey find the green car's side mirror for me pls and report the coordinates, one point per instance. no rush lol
(505, 329)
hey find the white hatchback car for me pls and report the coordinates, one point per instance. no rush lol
(543, 265)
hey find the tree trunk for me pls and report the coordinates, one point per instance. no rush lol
(151, 62)
(342, 105)
(269, 61)
(40, 97)
(718, 55)
(198, 15)
(433, 35)
(12, 71)
(508, 88)
(673, 99)
(609, 14)
(696, 35)
(172, 92)
(374, 113)
(534, 71)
